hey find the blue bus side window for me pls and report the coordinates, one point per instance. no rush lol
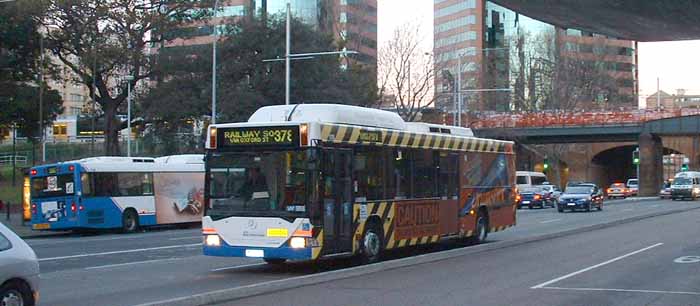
(86, 184)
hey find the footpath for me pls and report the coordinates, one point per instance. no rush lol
(24, 229)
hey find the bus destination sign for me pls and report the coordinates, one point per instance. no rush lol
(286, 136)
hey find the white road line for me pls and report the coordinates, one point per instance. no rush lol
(120, 252)
(623, 290)
(593, 267)
(548, 221)
(237, 267)
(185, 238)
(628, 209)
(62, 240)
(130, 263)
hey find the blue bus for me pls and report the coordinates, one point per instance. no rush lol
(117, 192)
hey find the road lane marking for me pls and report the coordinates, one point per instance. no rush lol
(623, 290)
(120, 252)
(628, 209)
(593, 267)
(130, 263)
(237, 267)
(548, 221)
(62, 240)
(185, 238)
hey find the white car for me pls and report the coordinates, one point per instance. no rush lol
(19, 270)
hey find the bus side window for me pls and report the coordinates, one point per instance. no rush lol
(105, 184)
(448, 175)
(424, 174)
(401, 172)
(147, 184)
(86, 184)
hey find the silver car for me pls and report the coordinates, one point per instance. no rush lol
(19, 270)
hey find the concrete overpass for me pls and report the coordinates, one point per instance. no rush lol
(602, 153)
(643, 20)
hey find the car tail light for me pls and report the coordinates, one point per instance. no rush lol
(73, 207)
(537, 197)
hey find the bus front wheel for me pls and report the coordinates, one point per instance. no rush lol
(130, 221)
(372, 242)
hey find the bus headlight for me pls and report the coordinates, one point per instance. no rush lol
(696, 190)
(297, 242)
(212, 240)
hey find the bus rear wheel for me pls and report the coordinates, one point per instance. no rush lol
(372, 243)
(130, 221)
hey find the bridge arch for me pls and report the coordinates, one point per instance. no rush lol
(615, 164)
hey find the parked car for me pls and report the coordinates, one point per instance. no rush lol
(617, 190)
(581, 196)
(552, 193)
(632, 187)
(19, 270)
(533, 197)
(665, 192)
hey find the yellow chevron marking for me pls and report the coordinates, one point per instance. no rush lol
(426, 141)
(394, 138)
(340, 136)
(402, 243)
(355, 134)
(315, 252)
(416, 140)
(325, 132)
(469, 233)
(413, 241)
(448, 143)
(464, 144)
(423, 240)
(436, 238)
(406, 138)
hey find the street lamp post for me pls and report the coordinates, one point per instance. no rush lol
(213, 67)
(298, 56)
(128, 79)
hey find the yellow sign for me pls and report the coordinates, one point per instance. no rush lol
(41, 226)
(277, 232)
(281, 135)
(370, 136)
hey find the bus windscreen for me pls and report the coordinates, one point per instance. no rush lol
(258, 183)
(52, 186)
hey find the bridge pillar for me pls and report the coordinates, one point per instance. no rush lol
(651, 152)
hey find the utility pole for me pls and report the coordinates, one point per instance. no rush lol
(459, 90)
(213, 67)
(41, 100)
(286, 56)
(658, 94)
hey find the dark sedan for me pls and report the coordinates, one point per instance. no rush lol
(582, 197)
(533, 197)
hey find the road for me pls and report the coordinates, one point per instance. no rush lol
(157, 265)
(649, 262)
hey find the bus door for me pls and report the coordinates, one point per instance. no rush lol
(337, 200)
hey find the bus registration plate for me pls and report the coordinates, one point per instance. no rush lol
(277, 232)
(254, 253)
(41, 226)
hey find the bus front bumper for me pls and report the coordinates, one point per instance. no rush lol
(282, 252)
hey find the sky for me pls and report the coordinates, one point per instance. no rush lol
(676, 64)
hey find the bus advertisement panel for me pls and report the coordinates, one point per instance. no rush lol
(117, 192)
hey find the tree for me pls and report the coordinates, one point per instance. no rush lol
(406, 73)
(245, 82)
(106, 40)
(20, 68)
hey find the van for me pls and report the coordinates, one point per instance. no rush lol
(686, 185)
(529, 178)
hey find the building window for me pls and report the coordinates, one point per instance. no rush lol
(457, 23)
(455, 8)
(76, 98)
(454, 39)
(343, 17)
(60, 129)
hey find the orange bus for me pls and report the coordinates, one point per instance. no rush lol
(303, 182)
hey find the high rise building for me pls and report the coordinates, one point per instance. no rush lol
(353, 23)
(511, 62)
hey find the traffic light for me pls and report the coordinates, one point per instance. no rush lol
(635, 157)
(684, 167)
(545, 164)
